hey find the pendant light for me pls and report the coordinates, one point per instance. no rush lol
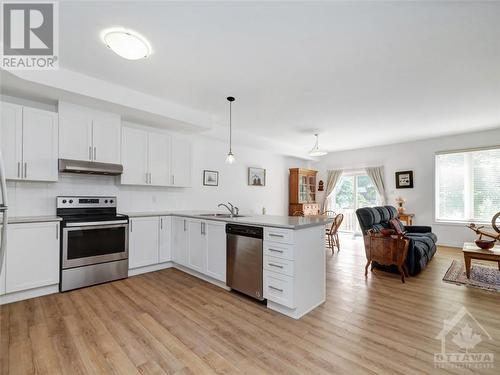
(230, 157)
(316, 151)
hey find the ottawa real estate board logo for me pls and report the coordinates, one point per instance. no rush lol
(29, 35)
(464, 343)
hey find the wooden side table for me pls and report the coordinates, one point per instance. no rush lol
(407, 218)
(471, 251)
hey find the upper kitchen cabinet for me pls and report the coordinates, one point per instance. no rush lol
(88, 135)
(134, 156)
(154, 158)
(29, 143)
(181, 162)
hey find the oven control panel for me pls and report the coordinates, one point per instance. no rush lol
(85, 202)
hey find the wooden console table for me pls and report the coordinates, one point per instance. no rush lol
(471, 251)
(407, 218)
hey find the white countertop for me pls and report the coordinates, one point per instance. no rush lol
(33, 219)
(288, 222)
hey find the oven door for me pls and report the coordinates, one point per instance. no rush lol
(94, 242)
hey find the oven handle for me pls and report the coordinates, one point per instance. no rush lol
(97, 223)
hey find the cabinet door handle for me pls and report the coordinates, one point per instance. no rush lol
(275, 235)
(131, 225)
(19, 169)
(202, 227)
(275, 265)
(90, 152)
(161, 223)
(276, 251)
(185, 225)
(146, 177)
(173, 179)
(95, 153)
(274, 288)
(150, 174)
(57, 232)
(25, 169)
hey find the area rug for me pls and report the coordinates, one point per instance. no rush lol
(482, 277)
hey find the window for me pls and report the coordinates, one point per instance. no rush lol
(468, 185)
(353, 191)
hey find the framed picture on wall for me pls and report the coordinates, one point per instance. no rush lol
(256, 176)
(404, 180)
(210, 178)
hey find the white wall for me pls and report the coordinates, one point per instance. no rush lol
(35, 198)
(419, 157)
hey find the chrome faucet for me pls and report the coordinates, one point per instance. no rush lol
(234, 211)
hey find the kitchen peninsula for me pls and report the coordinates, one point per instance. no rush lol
(294, 280)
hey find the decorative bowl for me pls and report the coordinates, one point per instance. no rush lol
(485, 244)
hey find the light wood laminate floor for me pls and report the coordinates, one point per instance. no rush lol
(170, 322)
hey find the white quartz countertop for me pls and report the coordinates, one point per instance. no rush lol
(288, 222)
(32, 219)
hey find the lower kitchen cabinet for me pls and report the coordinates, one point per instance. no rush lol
(165, 253)
(196, 245)
(179, 241)
(215, 253)
(143, 241)
(32, 256)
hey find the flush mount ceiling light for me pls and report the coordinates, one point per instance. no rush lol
(316, 151)
(126, 43)
(230, 156)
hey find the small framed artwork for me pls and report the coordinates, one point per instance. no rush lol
(256, 176)
(210, 178)
(404, 180)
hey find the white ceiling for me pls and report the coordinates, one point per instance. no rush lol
(363, 73)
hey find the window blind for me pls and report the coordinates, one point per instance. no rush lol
(468, 185)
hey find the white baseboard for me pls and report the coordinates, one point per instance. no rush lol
(151, 268)
(27, 294)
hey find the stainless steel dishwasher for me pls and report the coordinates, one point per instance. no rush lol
(244, 259)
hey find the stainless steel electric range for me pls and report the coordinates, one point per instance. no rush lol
(94, 241)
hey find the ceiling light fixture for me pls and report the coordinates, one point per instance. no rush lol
(316, 151)
(126, 43)
(230, 156)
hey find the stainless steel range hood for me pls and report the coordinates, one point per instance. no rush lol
(89, 167)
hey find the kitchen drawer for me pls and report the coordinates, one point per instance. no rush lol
(278, 265)
(278, 235)
(279, 288)
(278, 250)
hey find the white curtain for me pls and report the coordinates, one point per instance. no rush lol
(377, 176)
(333, 177)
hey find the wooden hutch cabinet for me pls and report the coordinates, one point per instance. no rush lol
(303, 192)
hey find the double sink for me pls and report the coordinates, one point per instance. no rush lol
(223, 216)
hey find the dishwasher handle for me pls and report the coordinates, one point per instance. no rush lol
(245, 231)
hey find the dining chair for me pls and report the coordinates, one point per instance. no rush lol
(332, 233)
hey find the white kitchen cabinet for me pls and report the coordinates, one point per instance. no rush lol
(29, 143)
(181, 162)
(143, 241)
(89, 135)
(32, 257)
(179, 241)
(40, 149)
(145, 157)
(106, 141)
(134, 156)
(12, 139)
(215, 253)
(165, 253)
(159, 159)
(196, 245)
